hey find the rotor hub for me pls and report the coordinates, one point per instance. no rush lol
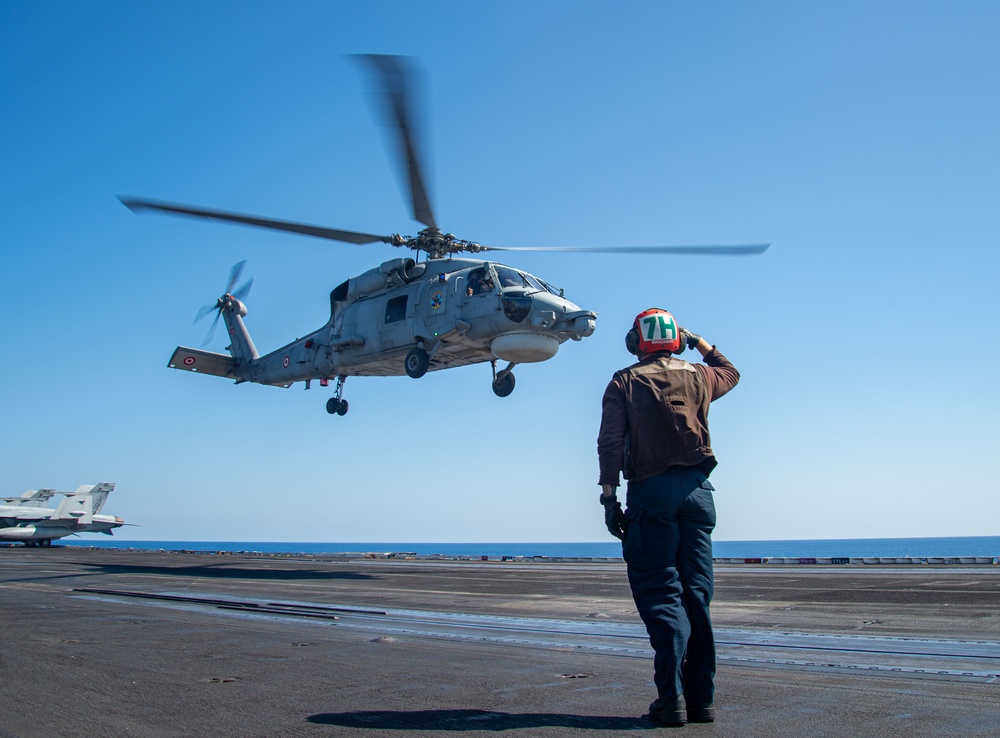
(436, 244)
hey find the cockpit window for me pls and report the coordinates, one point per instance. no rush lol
(551, 289)
(516, 307)
(509, 277)
(535, 283)
(480, 282)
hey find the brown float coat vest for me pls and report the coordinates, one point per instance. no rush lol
(655, 416)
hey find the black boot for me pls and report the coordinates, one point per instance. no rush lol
(701, 713)
(668, 711)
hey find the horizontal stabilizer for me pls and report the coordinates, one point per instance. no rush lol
(31, 498)
(204, 362)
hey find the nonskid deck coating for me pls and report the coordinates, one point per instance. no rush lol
(911, 657)
(537, 651)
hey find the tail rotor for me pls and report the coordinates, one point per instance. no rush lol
(223, 302)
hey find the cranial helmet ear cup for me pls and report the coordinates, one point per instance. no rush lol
(632, 341)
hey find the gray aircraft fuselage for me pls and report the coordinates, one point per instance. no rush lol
(441, 306)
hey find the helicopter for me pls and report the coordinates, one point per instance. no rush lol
(452, 309)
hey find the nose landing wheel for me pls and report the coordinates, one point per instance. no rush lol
(503, 382)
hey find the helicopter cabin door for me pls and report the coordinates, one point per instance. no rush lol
(480, 294)
(395, 326)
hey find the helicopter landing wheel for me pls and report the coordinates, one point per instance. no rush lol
(503, 385)
(417, 362)
(336, 405)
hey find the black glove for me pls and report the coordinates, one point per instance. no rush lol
(613, 515)
(692, 339)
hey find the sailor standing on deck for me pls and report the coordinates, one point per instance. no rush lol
(654, 429)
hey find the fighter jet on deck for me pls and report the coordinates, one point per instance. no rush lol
(29, 519)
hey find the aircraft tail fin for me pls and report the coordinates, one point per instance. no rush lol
(99, 495)
(241, 345)
(77, 506)
(243, 353)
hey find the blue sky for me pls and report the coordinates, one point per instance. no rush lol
(858, 137)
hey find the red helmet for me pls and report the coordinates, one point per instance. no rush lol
(654, 330)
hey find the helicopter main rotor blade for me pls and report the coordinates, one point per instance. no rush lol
(396, 74)
(137, 205)
(747, 249)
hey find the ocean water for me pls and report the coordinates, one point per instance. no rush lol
(847, 547)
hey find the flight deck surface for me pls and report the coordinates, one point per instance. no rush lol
(103, 642)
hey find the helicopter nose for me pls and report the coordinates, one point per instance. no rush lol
(563, 317)
(584, 325)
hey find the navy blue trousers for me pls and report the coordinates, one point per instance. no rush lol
(669, 520)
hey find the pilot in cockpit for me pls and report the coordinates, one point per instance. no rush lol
(480, 282)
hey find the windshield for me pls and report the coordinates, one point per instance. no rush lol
(551, 289)
(511, 278)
